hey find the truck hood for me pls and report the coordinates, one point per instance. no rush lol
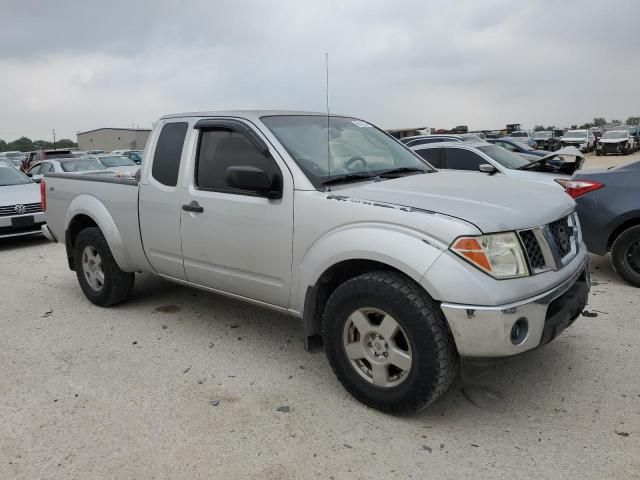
(491, 203)
(19, 194)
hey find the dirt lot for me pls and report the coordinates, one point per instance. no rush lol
(184, 384)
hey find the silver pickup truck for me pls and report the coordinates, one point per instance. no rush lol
(401, 272)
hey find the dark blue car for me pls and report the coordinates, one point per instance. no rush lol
(609, 211)
(517, 147)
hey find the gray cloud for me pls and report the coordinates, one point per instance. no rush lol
(81, 65)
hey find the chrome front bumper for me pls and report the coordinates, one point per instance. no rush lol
(481, 331)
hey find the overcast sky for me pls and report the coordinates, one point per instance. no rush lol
(80, 65)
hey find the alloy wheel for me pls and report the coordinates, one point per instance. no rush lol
(377, 347)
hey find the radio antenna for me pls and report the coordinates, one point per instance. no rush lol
(326, 64)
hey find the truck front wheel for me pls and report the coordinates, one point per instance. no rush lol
(100, 278)
(388, 342)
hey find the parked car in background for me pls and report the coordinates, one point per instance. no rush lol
(609, 211)
(95, 152)
(438, 138)
(524, 137)
(398, 270)
(616, 141)
(6, 162)
(64, 165)
(117, 163)
(520, 148)
(489, 159)
(135, 155)
(583, 140)
(547, 140)
(14, 157)
(39, 155)
(20, 207)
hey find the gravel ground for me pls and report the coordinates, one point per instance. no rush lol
(179, 383)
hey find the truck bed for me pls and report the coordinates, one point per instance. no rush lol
(109, 201)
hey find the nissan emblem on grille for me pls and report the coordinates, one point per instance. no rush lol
(20, 209)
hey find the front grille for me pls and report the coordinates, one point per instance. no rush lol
(551, 246)
(533, 250)
(562, 233)
(10, 210)
(610, 148)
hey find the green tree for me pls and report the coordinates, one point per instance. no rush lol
(66, 143)
(616, 122)
(3, 145)
(538, 128)
(584, 126)
(599, 121)
(633, 121)
(22, 144)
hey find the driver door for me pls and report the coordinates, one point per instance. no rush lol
(236, 241)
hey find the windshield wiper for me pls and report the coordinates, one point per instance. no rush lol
(400, 170)
(349, 177)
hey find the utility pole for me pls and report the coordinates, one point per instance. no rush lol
(54, 138)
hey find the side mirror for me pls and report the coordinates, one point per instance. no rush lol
(487, 168)
(254, 179)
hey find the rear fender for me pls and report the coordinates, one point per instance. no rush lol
(94, 209)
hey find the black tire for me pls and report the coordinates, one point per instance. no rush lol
(434, 357)
(625, 255)
(598, 153)
(117, 284)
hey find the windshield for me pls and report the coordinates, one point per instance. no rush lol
(355, 147)
(542, 135)
(504, 157)
(81, 165)
(117, 161)
(576, 134)
(11, 176)
(614, 134)
(520, 134)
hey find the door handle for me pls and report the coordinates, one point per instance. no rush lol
(193, 207)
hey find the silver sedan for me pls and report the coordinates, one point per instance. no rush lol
(20, 207)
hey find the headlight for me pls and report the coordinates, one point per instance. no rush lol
(499, 254)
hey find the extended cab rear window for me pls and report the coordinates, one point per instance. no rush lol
(166, 161)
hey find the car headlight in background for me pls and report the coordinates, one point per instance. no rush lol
(499, 254)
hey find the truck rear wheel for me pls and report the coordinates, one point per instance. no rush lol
(625, 255)
(100, 278)
(388, 342)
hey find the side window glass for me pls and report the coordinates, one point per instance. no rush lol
(47, 167)
(35, 170)
(220, 149)
(432, 155)
(460, 159)
(166, 160)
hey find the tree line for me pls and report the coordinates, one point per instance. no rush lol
(25, 144)
(597, 122)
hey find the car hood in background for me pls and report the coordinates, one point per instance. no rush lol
(19, 194)
(613, 140)
(492, 203)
